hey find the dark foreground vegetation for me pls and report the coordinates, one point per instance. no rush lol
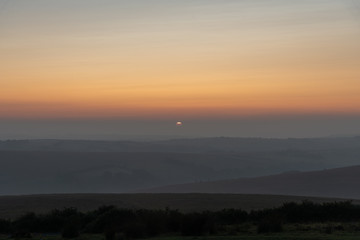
(112, 223)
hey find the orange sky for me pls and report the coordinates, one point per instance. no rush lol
(203, 59)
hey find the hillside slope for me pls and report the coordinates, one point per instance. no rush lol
(339, 182)
(80, 166)
(193, 145)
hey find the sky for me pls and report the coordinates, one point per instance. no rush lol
(116, 68)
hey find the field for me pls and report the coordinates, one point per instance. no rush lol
(14, 206)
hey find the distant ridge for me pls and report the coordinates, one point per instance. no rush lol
(338, 182)
(83, 166)
(199, 145)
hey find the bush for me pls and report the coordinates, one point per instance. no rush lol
(197, 224)
(329, 229)
(135, 230)
(21, 234)
(110, 234)
(5, 226)
(70, 231)
(270, 225)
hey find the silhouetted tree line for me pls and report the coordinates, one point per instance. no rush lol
(130, 223)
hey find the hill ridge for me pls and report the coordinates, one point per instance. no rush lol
(336, 182)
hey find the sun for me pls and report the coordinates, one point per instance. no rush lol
(179, 123)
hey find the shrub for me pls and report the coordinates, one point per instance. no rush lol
(197, 224)
(5, 226)
(135, 230)
(270, 224)
(70, 231)
(21, 234)
(110, 234)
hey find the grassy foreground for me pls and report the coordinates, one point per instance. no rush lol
(297, 221)
(313, 231)
(274, 236)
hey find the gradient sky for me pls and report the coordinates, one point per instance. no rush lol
(160, 61)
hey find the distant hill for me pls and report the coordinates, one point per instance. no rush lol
(14, 206)
(339, 182)
(80, 166)
(194, 145)
(44, 172)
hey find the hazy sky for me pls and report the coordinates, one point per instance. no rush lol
(224, 67)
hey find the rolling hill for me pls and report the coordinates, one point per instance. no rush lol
(192, 145)
(80, 166)
(338, 182)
